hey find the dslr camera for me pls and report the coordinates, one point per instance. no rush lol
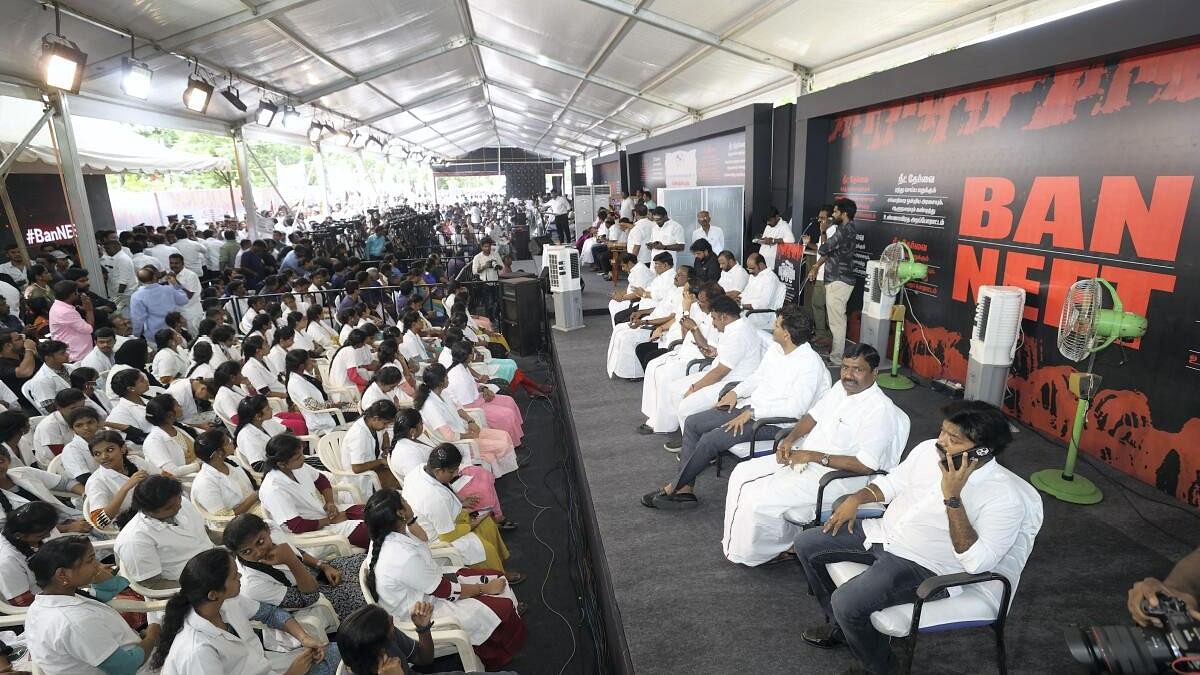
(1133, 650)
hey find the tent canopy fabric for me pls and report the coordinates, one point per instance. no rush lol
(564, 78)
(104, 146)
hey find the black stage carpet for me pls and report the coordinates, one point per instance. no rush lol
(686, 609)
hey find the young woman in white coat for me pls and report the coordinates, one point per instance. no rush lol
(207, 629)
(402, 573)
(495, 445)
(168, 448)
(160, 532)
(222, 487)
(308, 393)
(109, 489)
(301, 499)
(71, 633)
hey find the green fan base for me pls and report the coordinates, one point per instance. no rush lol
(1076, 490)
(895, 382)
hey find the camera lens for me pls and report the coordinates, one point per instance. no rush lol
(1121, 650)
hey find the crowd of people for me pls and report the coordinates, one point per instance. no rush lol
(725, 367)
(244, 428)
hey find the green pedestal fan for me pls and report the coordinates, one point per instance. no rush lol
(899, 268)
(1084, 329)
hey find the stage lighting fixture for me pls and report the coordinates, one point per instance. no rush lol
(135, 78)
(359, 140)
(62, 63)
(235, 98)
(314, 131)
(342, 137)
(375, 139)
(266, 112)
(292, 120)
(198, 94)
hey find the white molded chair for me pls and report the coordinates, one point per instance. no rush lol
(984, 601)
(448, 636)
(329, 451)
(109, 529)
(27, 392)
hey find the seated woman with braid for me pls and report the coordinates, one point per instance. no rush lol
(301, 499)
(207, 629)
(277, 572)
(402, 573)
(453, 424)
(160, 532)
(109, 489)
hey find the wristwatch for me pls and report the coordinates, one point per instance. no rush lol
(953, 502)
(824, 460)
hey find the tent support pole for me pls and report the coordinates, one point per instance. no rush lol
(324, 178)
(73, 185)
(11, 215)
(11, 159)
(243, 169)
(268, 175)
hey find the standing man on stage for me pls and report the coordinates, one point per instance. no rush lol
(559, 208)
(814, 299)
(714, 234)
(778, 231)
(837, 257)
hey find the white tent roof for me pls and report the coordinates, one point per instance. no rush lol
(557, 77)
(104, 146)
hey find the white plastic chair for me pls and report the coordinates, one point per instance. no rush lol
(27, 392)
(109, 529)
(984, 601)
(329, 451)
(448, 636)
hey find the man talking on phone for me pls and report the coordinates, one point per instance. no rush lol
(951, 508)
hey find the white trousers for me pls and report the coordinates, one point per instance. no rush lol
(699, 401)
(622, 360)
(658, 402)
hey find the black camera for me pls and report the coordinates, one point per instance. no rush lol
(1133, 650)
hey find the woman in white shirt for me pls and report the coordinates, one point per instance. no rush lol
(255, 427)
(495, 446)
(402, 573)
(77, 460)
(26, 529)
(299, 323)
(411, 451)
(345, 368)
(166, 447)
(170, 361)
(411, 345)
(462, 391)
(364, 445)
(231, 389)
(15, 437)
(109, 489)
(283, 575)
(186, 391)
(263, 326)
(160, 532)
(73, 634)
(222, 487)
(202, 361)
(21, 485)
(307, 392)
(301, 499)
(285, 341)
(207, 628)
(388, 356)
(129, 413)
(319, 330)
(262, 379)
(386, 387)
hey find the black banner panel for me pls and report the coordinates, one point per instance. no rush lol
(1037, 182)
(720, 160)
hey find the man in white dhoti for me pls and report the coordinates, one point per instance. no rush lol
(697, 338)
(624, 302)
(764, 290)
(739, 349)
(655, 304)
(788, 380)
(733, 276)
(853, 427)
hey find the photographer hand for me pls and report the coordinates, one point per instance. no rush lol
(1147, 591)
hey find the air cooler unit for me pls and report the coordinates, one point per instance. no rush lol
(565, 286)
(994, 337)
(877, 311)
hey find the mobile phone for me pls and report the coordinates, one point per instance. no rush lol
(978, 452)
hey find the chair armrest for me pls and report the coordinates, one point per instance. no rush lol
(696, 362)
(748, 312)
(828, 478)
(760, 423)
(349, 489)
(127, 605)
(942, 582)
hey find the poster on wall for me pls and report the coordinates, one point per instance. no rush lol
(720, 160)
(1037, 182)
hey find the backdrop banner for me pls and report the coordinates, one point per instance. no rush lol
(1037, 182)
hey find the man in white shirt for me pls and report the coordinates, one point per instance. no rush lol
(189, 281)
(486, 265)
(622, 359)
(119, 279)
(476, 214)
(160, 251)
(559, 208)
(141, 259)
(639, 276)
(778, 231)
(738, 352)
(852, 426)
(15, 267)
(667, 234)
(814, 299)
(783, 384)
(639, 237)
(764, 290)
(692, 337)
(212, 250)
(952, 509)
(714, 234)
(627, 204)
(195, 254)
(733, 276)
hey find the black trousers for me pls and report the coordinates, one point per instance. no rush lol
(603, 257)
(623, 315)
(647, 352)
(563, 228)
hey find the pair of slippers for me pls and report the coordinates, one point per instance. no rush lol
(670, 502)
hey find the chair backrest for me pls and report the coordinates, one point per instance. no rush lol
(56, 466)
(1013, 562)
(368, 596)
(87, 509)
(329, 450)
(27, 392)
(903, 425)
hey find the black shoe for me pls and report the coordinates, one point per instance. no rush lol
(826, 636)
(507, 525)
(670, 502)
(673, 446)
(644, 429)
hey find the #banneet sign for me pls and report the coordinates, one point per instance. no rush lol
(1037, 182)
(41, 234)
